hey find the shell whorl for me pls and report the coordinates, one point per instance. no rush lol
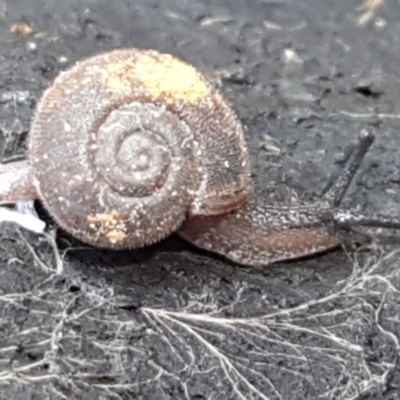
(125, 145)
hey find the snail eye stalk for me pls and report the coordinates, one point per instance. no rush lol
(339, 188)
(348, 218)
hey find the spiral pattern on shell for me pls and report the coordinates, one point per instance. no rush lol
(123, 144)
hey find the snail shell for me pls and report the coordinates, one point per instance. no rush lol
(126, 145)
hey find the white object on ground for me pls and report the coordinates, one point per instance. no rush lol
(28, 221)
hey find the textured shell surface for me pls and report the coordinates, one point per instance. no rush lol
(126, 145)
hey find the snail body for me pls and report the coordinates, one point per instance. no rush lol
(129, 146)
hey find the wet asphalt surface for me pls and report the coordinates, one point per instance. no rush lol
(172, 322)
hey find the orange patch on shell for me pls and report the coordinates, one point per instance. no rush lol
(115, 236)
(112, 217)
(110, 226)
(163, 76)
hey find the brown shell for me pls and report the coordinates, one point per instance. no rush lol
(108, 123)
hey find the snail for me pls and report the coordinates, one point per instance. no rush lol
(130, 146)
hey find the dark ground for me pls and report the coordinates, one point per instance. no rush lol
(170, 322)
